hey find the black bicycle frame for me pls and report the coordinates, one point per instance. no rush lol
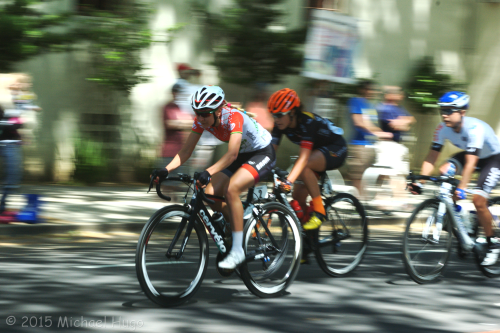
(214, 229)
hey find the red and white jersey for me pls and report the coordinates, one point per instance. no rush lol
(254, 136)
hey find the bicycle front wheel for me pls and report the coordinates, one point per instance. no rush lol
(274, 240)
(493, 270)
(167, 277)
(426, 250)
(343, 237)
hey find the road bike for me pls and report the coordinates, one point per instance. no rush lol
(429, 232)
(172, 251)
(341, 241)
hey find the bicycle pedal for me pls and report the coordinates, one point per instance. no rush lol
(429, 240)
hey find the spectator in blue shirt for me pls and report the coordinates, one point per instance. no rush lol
(364, 121)
(392, 117)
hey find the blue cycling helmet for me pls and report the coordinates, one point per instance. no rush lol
(454, 99)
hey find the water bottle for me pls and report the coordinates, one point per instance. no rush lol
(298, 210)
(219, 219)
(458, 215)
(466, 219)
(439, 223)
(452, 169)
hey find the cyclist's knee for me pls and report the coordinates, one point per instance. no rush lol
(233, 192)
(479, 201)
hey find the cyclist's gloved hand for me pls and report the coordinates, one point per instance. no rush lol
(157, 175)
(204, 177)
(415, 188)
(286, 186)
(161, 174)
(461, 194)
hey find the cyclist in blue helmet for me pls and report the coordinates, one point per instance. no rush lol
(481, 149)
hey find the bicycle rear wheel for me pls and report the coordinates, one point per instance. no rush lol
(343, 237)
(166, 279)
(425, 257)
(275, 264)
(481, 248)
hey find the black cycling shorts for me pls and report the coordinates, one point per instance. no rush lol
(259, 163)
(489, 169)
(335, 155)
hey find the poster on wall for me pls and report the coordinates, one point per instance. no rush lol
(332, 40)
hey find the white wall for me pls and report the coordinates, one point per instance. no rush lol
(462, 35)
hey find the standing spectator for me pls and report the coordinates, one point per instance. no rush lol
(364, 122)
(10, 139)
(176, 124)
(393, 153)
(10, 150)
(258, 107)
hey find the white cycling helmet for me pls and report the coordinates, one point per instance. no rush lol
(454, 99)
(207, 97)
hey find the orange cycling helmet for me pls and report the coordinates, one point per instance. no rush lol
(283, 101)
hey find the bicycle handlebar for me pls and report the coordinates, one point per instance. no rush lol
(440, 179)
(183, 178)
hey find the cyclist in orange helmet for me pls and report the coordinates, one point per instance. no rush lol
(322, 147)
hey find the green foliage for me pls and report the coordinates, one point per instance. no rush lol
(426, 85)
(91, 163)
(116, 38)
(24, 33)
(248, 49)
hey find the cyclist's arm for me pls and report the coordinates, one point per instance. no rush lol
(230, 156)
(300, 164)
(429, 162)
(469, 167)
(185, 153)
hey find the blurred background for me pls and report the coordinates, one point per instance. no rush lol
(102, 71)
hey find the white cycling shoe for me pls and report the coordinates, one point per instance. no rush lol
(233, 260)
(492, 256)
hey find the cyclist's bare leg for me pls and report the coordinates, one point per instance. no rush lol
(316, 163)
(241, 181)
(300, 194)
(483, 214)
(218, 186)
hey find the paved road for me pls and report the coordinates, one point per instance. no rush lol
(87, 280)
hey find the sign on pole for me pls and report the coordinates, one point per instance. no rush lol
(331, 43)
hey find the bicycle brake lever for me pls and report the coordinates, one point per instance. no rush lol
(153, 176)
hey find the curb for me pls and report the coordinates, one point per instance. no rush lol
(53, 226)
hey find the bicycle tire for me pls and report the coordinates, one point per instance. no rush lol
(271, 279)
(493, 270)
(162, 285)
(426, 264)
(343, 238)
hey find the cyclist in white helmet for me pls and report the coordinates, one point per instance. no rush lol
(481, 149)
(250, 157)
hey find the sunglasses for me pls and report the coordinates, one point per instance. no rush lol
(204, 113)
(448, 111)
(280, 115)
